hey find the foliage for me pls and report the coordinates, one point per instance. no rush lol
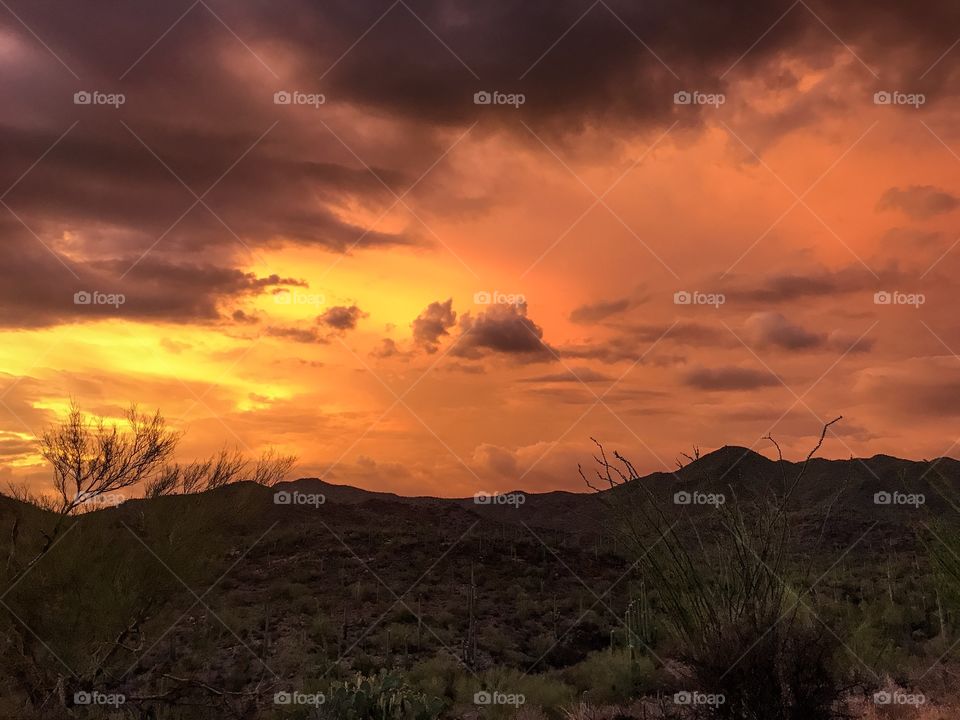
(385, 696)
(610, 676)
(735, 618)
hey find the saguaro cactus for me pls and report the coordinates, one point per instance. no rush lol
(639, 623)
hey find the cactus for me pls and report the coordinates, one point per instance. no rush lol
(470, 641)
(639, 623)
(380, 697)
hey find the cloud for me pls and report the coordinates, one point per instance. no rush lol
(14, 447)
(105, 193)
(341, 317)
(573, 374)
(244, 318)
(816, 283)
(386, 349)
(502, 329)
(771, 329)
(576, 67)
(579, 66)
(729, 378)
(101, 183)
(301, 335)
(494, 460)
(433, 323)
(38, 290)
(896, 238)
(638, 341)
(588, 314)
(923, 388)
(844, 342)
(918, 201)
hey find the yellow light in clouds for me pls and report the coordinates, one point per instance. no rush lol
(126, 349)
(59, 407)
(392, 285)
(28, 460)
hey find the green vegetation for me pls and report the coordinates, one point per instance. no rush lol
(380, 697)
(224, 603)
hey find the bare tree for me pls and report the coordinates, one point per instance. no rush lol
(272, 467)
(91, 459)
(192, 475)
(22, 492)
(164, 483)
(227, 466)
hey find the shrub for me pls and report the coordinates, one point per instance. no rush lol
(739, 627)
(609, 676)
(379, 697)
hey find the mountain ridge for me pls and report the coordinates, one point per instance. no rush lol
(724, 460)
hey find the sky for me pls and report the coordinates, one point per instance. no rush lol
(435, 247)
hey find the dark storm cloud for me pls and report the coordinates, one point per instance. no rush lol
(502, 329)
(342, 317)
(918, 201)
(424, 59)
(39, 288)
(103, 181)
(199, 115)
(729, 378)
(433, 323)
(616, 60)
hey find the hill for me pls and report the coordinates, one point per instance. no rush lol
(246, 587)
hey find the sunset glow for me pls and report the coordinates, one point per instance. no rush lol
(417, 292)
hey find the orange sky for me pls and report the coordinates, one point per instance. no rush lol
(300, 303)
